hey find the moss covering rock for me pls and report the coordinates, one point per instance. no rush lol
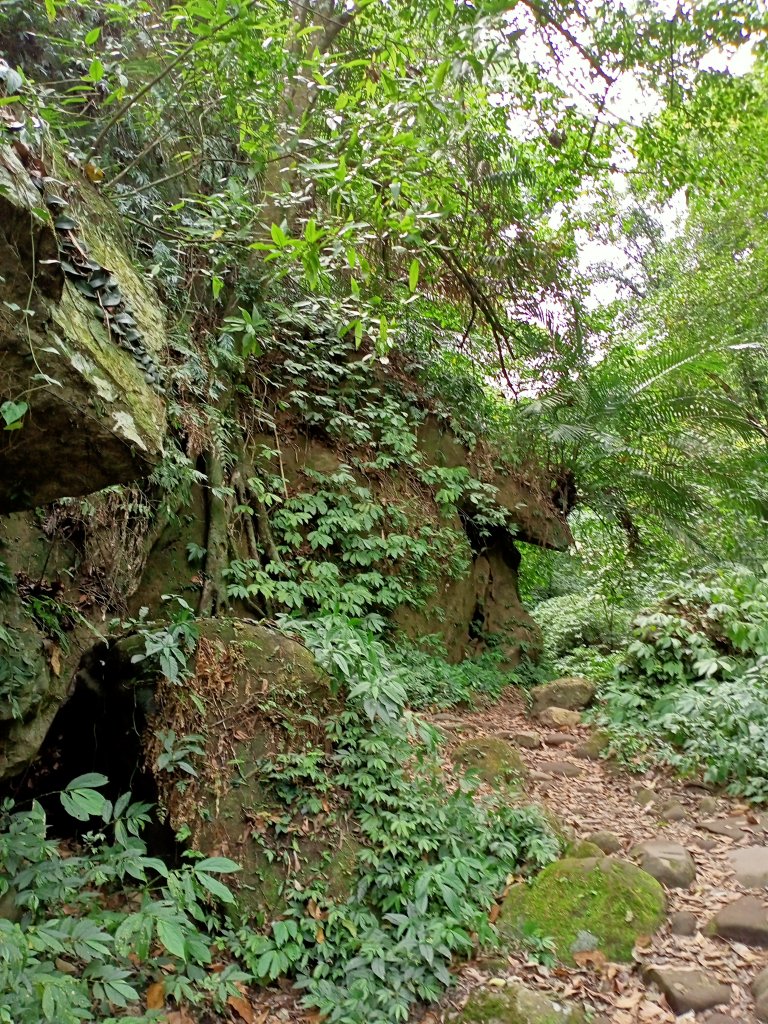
(492, 759)
(582, 848)
(597, 903)
(516, 1004)
(571, 692)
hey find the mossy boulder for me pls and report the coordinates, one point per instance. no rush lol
(516, 1004)
(493, 760)
(264, 702)
(597, 903)
(571, 692)
(582, 848)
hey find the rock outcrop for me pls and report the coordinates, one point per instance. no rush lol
(81, 338)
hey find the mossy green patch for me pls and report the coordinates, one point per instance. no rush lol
(595, 903)
(516, 1004)
(493, 760)
(582, 848)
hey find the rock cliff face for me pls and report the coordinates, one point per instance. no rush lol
(81, 408)
(82, 399)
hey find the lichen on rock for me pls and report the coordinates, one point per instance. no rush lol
(491, 759)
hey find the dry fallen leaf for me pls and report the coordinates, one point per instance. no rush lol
(55, 660)
(242, 1008)
(181, 1016)
(591, 958)
(156, 996)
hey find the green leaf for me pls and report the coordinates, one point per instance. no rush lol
(92, 36)
(215, 887)
(413, 275)
(13, 413)
(172, 937)
(91, 780)
(223, 865)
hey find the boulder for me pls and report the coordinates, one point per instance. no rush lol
(492, 759)
(745, 920)
(750, 865)
(607, 841)
(597, 903)
(683, 922)
(760, 992)
(672, 810)
(524, 739)
(582, 848)
(645, 796)
(258, 701)
(560, 718)
(572, 692)
(669, 863)
(686, 990)
(593, 748)
(517, 1004)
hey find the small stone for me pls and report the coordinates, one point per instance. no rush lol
(537, 776)
(593, 748)
(564, 769)
(687, 990)
(709, 805)
(750, 865)
(706, 844)
(571, 692)
(560, 718)
(557, 739)
(515, 1002)
(760, 992)
(672, 811)
(526, 740)
(683, 923)
(645, 796)
(607, 841)
(721, 828)
(745, 920)
(668, 863)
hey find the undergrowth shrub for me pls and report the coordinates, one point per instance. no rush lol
(432, 864)
(692, 686)
(581, 635)
(432, 682)
(84, 931)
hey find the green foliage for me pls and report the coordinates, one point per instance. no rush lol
(432, 682)
(90, 929)
(432, 863)
(169, 647)
(692, 687)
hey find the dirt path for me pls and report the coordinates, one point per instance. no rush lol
(599, 797)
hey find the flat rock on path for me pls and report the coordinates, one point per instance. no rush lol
(560, 718)
(760, 991)
(668, 863)
(750, 865)
(687, 990)
(565, 769)
(745, 921)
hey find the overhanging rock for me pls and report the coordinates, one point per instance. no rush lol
(80, 393)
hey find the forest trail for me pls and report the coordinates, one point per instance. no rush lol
(589, 796)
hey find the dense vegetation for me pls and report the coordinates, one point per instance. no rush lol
(364, 219)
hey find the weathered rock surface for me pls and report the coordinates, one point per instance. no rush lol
(750, 865)
(687, 990)
(560, 718)
(525, 740)
(645, 796)
(683, 922)
(571, 692)
(593, 748)
(564, 769)
(669, 863)
(556, 739)
(492, 759)
(517, 1004)
(672, 810)
(94, 417)
(745, 920)
(607, 841)
(598, 903)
